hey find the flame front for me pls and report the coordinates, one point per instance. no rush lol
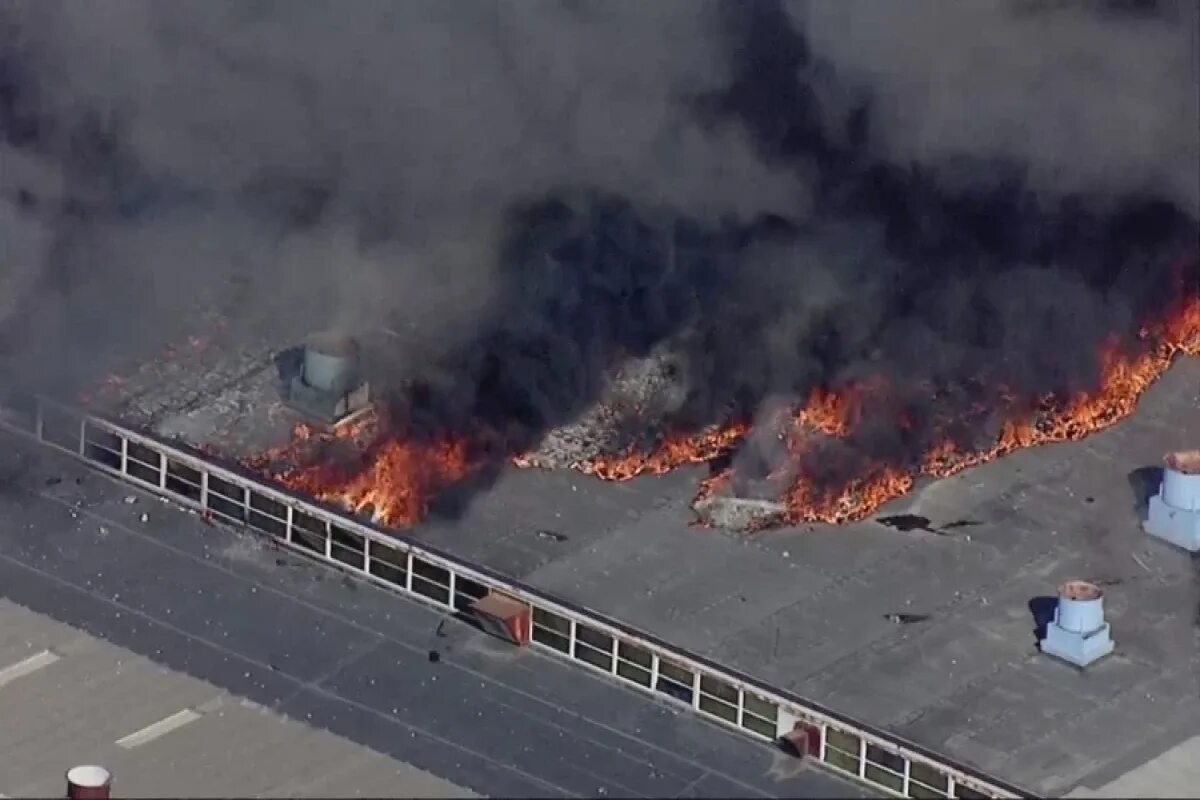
(672, 452)
(1124, 378)
(391, 479)
(395, 479)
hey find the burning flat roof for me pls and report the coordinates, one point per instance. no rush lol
(919, 620)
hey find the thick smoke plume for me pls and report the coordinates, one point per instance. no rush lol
(307, 150)
(965, 198)
(1050, 85)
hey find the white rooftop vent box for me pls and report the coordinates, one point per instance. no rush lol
(1174, 513)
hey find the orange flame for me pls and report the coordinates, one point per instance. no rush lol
(393, 480)
(396, 479)
(671, 453)
(1125, 377)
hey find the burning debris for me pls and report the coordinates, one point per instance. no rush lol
(395, 479)
(388, 479)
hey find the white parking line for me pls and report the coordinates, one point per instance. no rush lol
(156, 729)
(26, 666)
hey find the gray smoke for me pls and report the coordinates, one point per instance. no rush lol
(793, 194)
(369, 152)
(1084, 95)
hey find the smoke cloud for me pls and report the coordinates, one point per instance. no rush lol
(1085, 97)
(783, 195)
(310, 151)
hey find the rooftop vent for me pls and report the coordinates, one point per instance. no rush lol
(326, 382)
(1078, 633)
(88, 783)
(1174, 513)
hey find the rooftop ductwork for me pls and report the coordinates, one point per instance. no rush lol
(325, 380)
(1078, 633)
(1174, 513)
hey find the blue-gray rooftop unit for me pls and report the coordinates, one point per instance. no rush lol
(1174, 513)
(1078, 634)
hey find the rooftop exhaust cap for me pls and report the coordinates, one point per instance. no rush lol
(1174, 513)
(88, 782)
(1079, 634)
(331, 363)
(328, 384)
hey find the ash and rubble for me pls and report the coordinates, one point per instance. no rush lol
(633, 412)
(214, 387)
(738, 514)
(639, 395)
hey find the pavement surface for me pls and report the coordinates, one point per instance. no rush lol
(168, 614)
(811, 609)
(74, 699)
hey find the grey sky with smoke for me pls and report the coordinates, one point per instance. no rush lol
(441, 111)
(1088, 96)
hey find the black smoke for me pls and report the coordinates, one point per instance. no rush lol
(961, 292)
(751, 186)
(271, 160)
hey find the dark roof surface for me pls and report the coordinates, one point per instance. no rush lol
(331, 653)
(810, 609)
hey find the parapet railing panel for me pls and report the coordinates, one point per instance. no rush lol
(393, 560)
